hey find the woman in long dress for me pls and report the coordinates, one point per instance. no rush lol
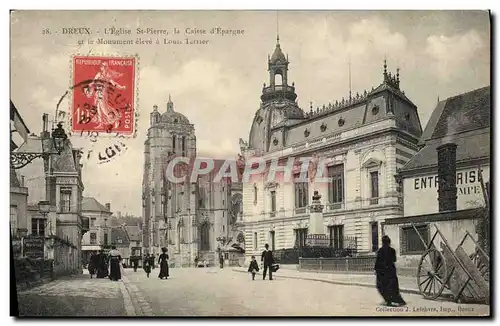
(101, 262)
(98, 89)
(163, 262)
(147, 264)
(387, 278)
(115, 258)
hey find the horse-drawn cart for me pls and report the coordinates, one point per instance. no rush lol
(465, 276)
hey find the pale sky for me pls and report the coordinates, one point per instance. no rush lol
(218, 86)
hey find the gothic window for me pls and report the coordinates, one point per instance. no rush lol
(375, 110)
(173, 143)
(205, 236)
(183, 145)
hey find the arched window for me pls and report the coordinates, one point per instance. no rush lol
(173, 143)
(183, 143)
(255, 194)
(205, 236)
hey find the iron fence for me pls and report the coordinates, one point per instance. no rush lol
(317, 246)
(345, 264)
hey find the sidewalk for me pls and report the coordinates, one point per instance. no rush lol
(406, 284)
(73, 296)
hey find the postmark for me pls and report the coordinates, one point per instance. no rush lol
(104, 97)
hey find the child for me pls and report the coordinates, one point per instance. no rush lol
(253, 268)
(147, 265)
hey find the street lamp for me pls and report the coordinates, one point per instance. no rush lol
(21, 159)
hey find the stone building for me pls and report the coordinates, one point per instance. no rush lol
(364, 139)
(441, 183)
(187, 218)
(56, 178)
(99, 234)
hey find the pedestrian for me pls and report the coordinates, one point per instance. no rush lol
(135, 263)
(205, 263)
(153, 261)
(221, 261)
(114, 264)
(268, 261)
(387, 278)
(196, 261)
(253, 268)
(101, 265)
(147, 264)
(163, 262)
(93, 262)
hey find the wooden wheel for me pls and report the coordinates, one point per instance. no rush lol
(432, 273)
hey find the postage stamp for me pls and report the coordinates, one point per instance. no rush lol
(104, 99)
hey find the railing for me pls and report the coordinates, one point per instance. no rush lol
(344, 248)
(334, 206)
(374, 201)
(347, 264)
(300, 210)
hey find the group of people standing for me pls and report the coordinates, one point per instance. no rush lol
(102, 265)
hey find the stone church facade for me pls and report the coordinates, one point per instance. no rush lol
(364, 139)
(190, 219)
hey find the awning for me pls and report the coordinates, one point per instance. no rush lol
(91, 248)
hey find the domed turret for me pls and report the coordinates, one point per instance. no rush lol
(171, 116)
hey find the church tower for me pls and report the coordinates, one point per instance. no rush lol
(278, 104)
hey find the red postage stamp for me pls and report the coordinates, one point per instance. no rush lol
(103, 95)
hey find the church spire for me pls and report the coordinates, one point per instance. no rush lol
(170, 104)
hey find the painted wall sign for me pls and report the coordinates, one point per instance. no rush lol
(421, 193)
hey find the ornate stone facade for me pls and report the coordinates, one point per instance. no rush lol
(361, 138)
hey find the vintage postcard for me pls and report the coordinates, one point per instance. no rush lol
(250, 163)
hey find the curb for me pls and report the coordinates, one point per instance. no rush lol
(368, 285)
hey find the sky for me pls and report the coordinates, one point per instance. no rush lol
(218, 86)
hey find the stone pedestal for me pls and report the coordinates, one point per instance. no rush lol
(316, 226)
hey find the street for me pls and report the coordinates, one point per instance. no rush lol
(216, 292)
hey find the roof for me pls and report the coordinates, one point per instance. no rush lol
(174, 117)
(91, 204)
(461, 113)
(14, 114)
(14, 181)
(469, 147)
(278, 56)
(134, 232)
(119, 233)
(463, 119)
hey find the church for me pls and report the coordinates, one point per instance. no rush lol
(364, 138)
(194, 221)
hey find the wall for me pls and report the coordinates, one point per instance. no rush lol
(421, 196)
(19, 198)
(453, 232)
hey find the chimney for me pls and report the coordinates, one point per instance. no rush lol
(108, 206)
(45, 126)
(447, 177)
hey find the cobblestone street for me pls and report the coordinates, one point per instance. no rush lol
(216, 292)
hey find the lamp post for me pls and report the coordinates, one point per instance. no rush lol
(21, 159)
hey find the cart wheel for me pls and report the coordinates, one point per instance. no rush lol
(431, 274)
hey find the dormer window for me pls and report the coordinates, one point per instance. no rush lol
(375, 110)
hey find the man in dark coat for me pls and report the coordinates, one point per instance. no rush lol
(387, 278)
(267, 260)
